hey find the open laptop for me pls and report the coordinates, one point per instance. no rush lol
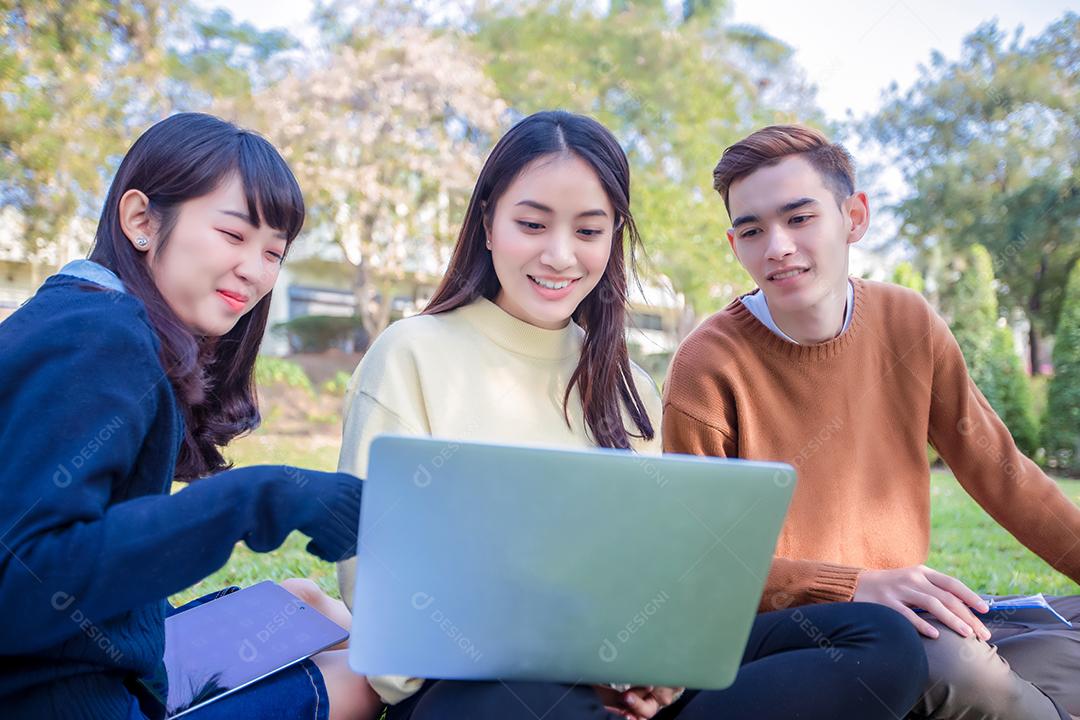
(488, 562)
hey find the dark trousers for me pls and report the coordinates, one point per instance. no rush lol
(849, 660)
(1026, 671)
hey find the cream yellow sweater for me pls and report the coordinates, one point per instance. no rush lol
(475, 374)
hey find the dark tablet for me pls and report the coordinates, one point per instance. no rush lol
(217, 648)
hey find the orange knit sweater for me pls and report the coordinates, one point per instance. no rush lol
(853, 416)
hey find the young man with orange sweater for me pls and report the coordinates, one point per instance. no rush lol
(848, 380)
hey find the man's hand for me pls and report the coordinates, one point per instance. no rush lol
(637, 703)
(944, 597)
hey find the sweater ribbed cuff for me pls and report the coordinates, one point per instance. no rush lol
(341, 521)
(834, 583)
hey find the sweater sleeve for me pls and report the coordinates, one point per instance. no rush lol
(384, 397)
(790, 582)
(365, 418)
(978, 448)
(72, 427)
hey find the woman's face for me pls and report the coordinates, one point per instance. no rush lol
(550, 239)
(216, 264)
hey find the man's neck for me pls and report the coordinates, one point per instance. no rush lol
(818, 323)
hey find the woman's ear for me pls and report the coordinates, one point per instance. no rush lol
(135, 219)
(485, 220)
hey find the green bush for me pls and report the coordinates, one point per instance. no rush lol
(316, 333)
(989, 349)
(1016, 403)
(277, 371)
(907, 276)
(1040, 386)
(1061, 431)
(338, 384)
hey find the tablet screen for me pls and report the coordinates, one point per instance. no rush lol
(221, 646)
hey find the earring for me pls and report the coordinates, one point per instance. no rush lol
(141, 241)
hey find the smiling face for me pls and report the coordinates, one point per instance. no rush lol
(792, 237)
(550, 239)
(216, 265)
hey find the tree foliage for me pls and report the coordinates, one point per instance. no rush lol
(675, 91)
(971, 304)
(989, 148)
(905, 275)
(80, 80)
(386, 137)
(1062, 426)
(74, 80)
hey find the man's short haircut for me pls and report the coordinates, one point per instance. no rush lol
(772, 144)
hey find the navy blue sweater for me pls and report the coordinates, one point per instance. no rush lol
(91, 543)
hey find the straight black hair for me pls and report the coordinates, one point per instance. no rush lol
(183, 157)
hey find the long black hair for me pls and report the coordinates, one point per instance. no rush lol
(183, 157)
(603, 375)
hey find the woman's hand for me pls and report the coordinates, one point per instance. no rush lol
(637, 703)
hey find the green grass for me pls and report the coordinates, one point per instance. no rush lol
(965, 542)
(968, 544)
(290, 560)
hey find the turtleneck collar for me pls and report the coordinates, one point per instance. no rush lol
(520, 337)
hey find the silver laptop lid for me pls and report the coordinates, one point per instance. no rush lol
(520, 562)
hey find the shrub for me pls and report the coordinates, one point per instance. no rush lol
(1061, 431)
(989, 349)
(907, 276)
(338, 384)
(1016, 401)
(277, 371)
(317, 333)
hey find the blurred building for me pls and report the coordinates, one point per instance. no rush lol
(316, 282)
(24, 268)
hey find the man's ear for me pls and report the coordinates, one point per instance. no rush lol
(731, 242)
(135, 219)
(857, 216)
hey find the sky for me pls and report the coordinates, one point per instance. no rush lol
(851, 50)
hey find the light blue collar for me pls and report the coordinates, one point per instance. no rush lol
(755, 302)
(93, 272)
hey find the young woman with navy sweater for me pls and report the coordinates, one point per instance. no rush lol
(127, 371)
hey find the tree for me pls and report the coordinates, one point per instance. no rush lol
(675, 87)
(989, 147)
(988, 347)
(386, 138)
(907, 276)
(212, 57)
(675, 90)
(75, 78)
(1013, 387)
(971, 305)
(79, 81)
(1061, 432)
